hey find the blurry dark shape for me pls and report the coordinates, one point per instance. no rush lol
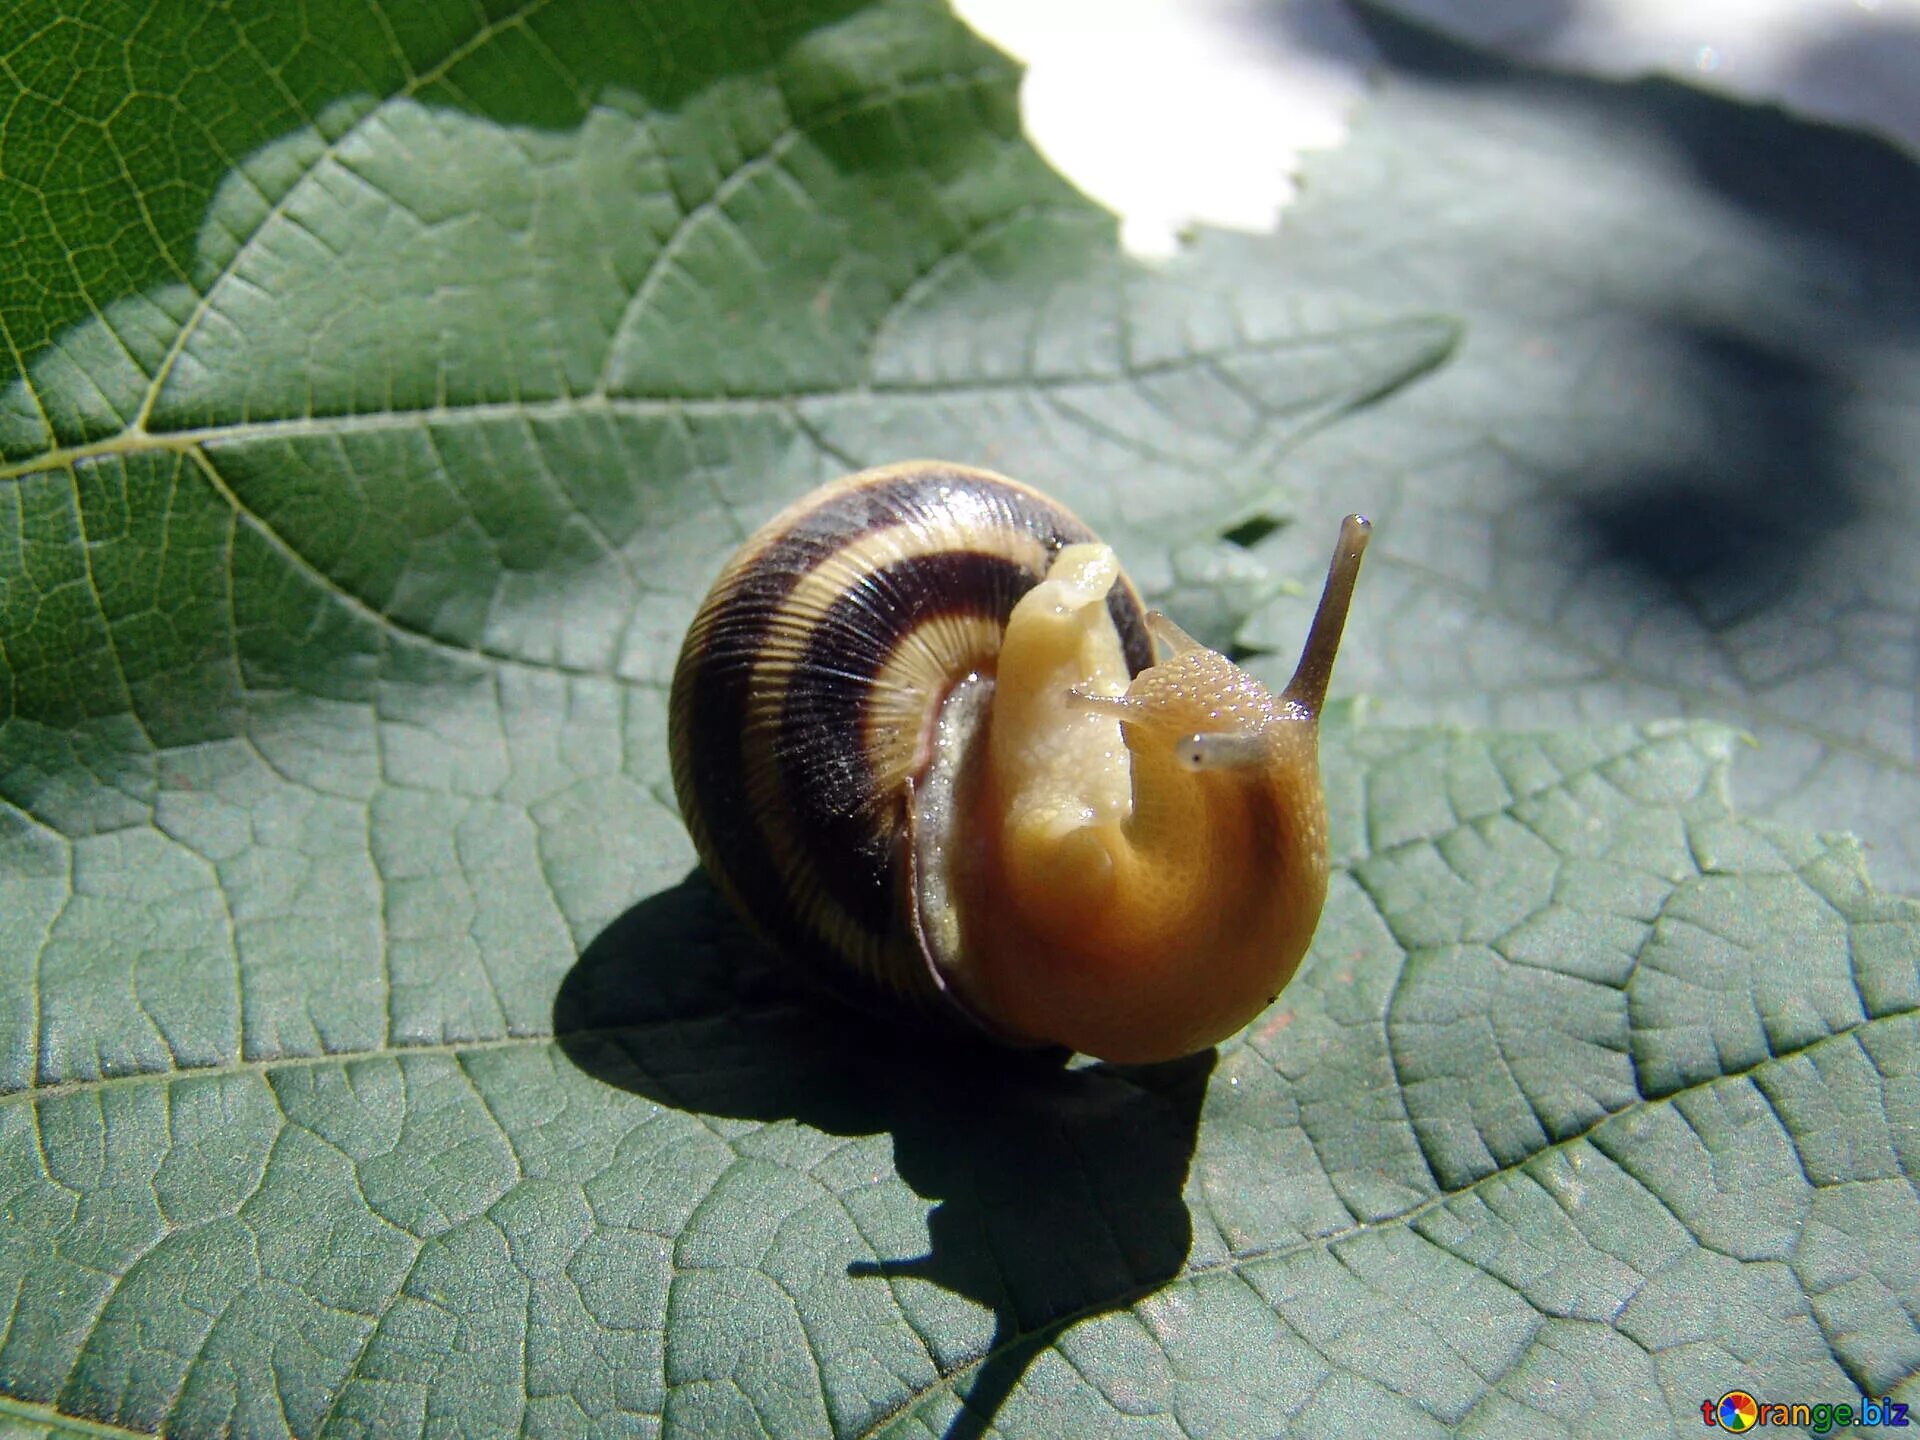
(1731, 522)
(1732, 518)
(1865, 71)
(1059, 1191)
(1514, 26)
(1343, 31)
(1847, 187)
(1250, 532)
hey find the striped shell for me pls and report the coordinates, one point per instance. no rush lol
(809, 686)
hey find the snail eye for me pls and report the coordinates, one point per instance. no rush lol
(1220, 750)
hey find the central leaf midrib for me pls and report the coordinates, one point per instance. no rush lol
(28, 1412)
(135, 440)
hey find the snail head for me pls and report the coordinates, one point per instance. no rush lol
(1196, 705)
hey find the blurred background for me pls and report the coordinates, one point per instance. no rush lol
(1176, 112)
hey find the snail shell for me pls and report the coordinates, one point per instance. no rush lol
(921, 742)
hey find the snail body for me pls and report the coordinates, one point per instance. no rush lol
(921, 741)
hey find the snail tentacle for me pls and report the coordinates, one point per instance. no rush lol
(1173, 640)
(1114, 707)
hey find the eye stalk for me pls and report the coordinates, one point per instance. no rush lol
(1308, 688)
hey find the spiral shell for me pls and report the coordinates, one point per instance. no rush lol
(807, 693)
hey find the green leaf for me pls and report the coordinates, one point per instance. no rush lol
(385, 387)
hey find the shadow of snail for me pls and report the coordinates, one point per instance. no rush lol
(1057, 1192)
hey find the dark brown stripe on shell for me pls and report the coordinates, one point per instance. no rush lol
(839, 820)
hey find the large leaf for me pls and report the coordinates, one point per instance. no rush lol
(1676, 467)
(386, 387)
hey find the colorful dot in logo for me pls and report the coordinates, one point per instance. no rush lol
(1738, 1411)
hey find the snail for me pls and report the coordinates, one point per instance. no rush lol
(922, 742)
